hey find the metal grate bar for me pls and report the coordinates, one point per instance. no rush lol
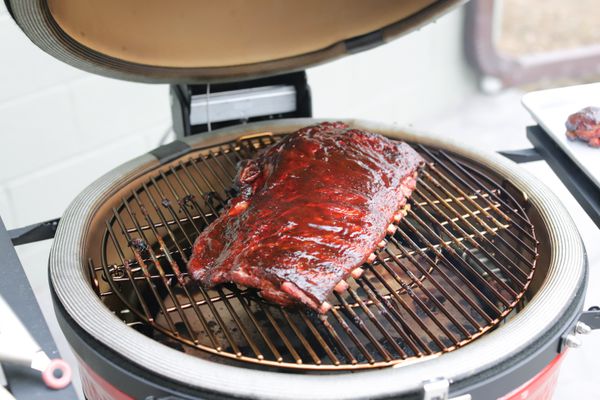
(416, 319)
(443, 291)
(203, 162)
(450, 265)
(339, 342)
(465, 170)
(263, 335)
(168, 204)
(180, 276)
(204, 179)
(383, 308)
(147, 315)
(487, 214)
(447, 281)
(241, 326)
(221, 323)
(222, 296)
(301, 337)
(148, 249)
(146, 275)
(422, 304)
(192, 303)
(182, 201)
(467, 251)
(453, 174)
(319, 338)
(281, 334)
(459, 263)
(360, 324)
(460, 243)
(228, 152)
(375, 321)
(487, 241)
(135, 248)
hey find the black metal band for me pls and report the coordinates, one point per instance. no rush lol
(171, 151)
(522, 155)
(34, 233)
(364, 42)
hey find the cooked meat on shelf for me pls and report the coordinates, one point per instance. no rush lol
(585, 125)
(311, 211)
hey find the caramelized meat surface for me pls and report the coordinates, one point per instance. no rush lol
(312, 209)
(585, 125)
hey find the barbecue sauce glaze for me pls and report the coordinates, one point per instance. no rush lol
(311, 209)
(585, 125)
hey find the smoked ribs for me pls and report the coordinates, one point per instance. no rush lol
(585, 125)
(311, 210)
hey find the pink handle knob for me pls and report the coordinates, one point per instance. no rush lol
(51, 380)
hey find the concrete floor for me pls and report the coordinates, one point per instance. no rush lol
(555, 25)
(491, 123)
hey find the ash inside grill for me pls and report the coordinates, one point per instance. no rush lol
(457, 267)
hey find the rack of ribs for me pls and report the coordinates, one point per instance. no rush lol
(585, 125)
(311, 211)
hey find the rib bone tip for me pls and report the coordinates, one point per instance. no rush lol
(341, 286)
(325, 306)
(357, 272)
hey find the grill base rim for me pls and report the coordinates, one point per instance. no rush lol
(66, 275)
(494, 382)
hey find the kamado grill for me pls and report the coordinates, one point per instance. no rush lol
(477, 292)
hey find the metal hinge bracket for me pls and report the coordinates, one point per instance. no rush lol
(33, 233)
(522, 155)
(588, 321)
(591, 317)
(438, 389)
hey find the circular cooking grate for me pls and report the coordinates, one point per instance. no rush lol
(459, 263)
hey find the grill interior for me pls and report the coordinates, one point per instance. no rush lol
(460, 263)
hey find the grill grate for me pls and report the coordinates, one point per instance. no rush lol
(459, 264)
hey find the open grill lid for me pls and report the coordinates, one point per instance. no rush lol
(205, 41)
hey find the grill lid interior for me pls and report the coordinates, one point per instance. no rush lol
(205, 40)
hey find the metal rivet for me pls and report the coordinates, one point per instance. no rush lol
(572, 341)
(582, 328)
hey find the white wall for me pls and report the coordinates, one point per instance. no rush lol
(413, 78)
(60, 128)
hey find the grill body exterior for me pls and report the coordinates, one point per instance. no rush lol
(490, 367)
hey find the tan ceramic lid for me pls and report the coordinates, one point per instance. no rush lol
(214, 38)
(213, 33)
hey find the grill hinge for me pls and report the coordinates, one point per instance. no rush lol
(198, 108)
(588, 321)
(438, 389)
(242, 104)
(591, 318)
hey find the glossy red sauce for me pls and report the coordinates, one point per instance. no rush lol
(311, 209)
(585, 125)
